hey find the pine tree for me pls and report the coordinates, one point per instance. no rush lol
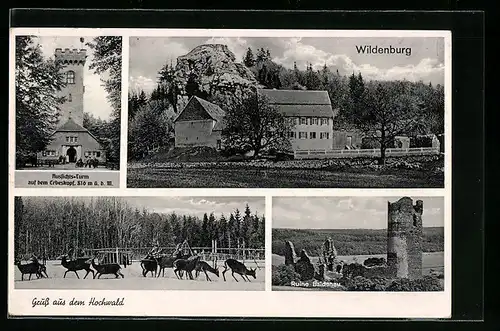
(261, 56)
(232, 231)
(249, 59)
(168, 86)
(143, 99)
(212, 228)
(325, 77)
(192, 87)
(18, 225)
(237, 218)
(222, 231)
(312, 81)
(356, 92)
(205, 233)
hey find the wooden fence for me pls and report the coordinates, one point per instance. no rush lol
(119, 255)
(353, 153)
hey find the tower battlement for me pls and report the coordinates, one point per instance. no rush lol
(404, 238)
(70, 56)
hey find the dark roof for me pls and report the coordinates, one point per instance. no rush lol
(72, 126)
(300, 103)
(214, 111)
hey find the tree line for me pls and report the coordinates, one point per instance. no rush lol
(55, 225)
(38, 81)
(349, 242)
(380, 110)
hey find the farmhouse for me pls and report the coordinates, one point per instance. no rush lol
(200, 123)
(71, 141)
(312, 114)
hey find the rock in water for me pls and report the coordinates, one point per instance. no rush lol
(304, 267)
(290, 255)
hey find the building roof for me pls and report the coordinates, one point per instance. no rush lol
(301, 103)
(72, 126)
(213, 111)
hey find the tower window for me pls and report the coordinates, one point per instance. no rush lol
(70, 77)
(70, 98)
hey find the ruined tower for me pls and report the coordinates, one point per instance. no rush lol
(404, 238)
(73, 62)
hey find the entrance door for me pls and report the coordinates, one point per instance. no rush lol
(349, 141)
(71, 153)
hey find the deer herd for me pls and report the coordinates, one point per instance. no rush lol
(188, 263)
(156, 265)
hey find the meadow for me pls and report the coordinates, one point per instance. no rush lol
(248, 177)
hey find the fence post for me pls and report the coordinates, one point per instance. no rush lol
(117, 256)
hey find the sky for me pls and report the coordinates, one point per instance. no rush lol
(194, 206)
(346, 212)
(197, 206)
(426, 62)
(95, 97)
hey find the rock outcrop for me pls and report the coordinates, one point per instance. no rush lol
(215, 69)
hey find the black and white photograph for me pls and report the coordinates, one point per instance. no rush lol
(67, 110)
(139, 243)
(286, 112)
(359, 243)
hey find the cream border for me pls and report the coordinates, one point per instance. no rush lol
(229, 303)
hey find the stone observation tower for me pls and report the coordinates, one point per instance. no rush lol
(73, 62)
(71, 142)
(404, 238)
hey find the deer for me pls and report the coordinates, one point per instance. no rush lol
(42, 270)
(106, 269)
(187, 265)
(76, 265)
(166, 261)
(149, 264)
(204, 266)
(239, 268)
(29, 268)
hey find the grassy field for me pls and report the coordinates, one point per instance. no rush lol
(349, 241)
(281, 178)
(135, 281)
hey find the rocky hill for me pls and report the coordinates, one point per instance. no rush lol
(215, 68)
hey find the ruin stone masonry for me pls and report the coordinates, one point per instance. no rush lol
(304, 267)
(404, 239)
(290, 255)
